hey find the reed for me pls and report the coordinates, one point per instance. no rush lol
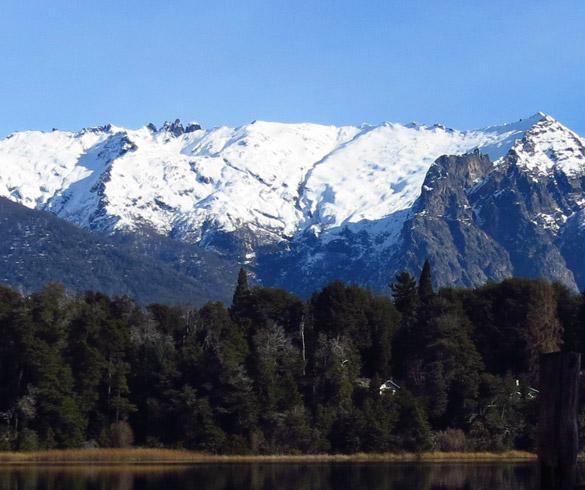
(171, 456)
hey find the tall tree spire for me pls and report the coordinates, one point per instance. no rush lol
(242, 287)
(425, 282)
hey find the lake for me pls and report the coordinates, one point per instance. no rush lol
(374, 476)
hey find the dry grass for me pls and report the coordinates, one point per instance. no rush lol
(170, 456)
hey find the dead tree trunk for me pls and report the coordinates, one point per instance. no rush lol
(557, 425)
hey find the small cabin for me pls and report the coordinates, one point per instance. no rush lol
(389, 386)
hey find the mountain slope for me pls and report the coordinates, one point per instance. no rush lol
(38, 247)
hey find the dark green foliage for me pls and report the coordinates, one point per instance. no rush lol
(366, 322)
(515, 321)
(413, 428)
(242, 287)
(425, 282)
(273, 374)
(405, 293)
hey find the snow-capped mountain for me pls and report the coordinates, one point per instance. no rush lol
(276, 179)
(296, 201)
(517, 216)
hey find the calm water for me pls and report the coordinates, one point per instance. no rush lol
(273, 477)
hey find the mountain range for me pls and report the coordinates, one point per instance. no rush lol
(298, 204)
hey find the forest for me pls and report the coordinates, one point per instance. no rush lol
(346, 371)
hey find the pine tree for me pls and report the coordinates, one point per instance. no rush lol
(404, 293)
(383, 321)
(241, 309)
(413, 428)
(86, 358)
(59, 417)
(242, 288)
(437, 397)
(425, 282)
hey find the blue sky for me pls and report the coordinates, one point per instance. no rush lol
(70, 64)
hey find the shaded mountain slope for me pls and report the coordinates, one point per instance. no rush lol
(37, 248)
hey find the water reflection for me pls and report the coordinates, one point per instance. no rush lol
(273, 476)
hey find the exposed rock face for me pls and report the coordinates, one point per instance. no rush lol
(479, 221)
(571, 243)
(176, 128)
(525, 214)
(443, 226)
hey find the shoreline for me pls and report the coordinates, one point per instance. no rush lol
(147, 456)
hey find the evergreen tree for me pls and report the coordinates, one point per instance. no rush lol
(425, 282)
(87, 360)
(59, 420)
(242, 287)
(437, 394)
(405, 346)
(74, 369)
(413, 428)
(404, 292)
(381, 415)
(383, 320)
(240, 309)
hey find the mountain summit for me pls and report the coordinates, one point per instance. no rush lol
(305, 201)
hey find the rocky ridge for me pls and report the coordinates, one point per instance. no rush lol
(302, 204)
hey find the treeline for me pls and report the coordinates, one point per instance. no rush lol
(346, 371)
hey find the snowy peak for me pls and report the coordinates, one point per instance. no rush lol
(106, 128)
(83, 201)
(549, 146)
(380, 171)
(35, 166)
(275, 181)
(176, 128)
